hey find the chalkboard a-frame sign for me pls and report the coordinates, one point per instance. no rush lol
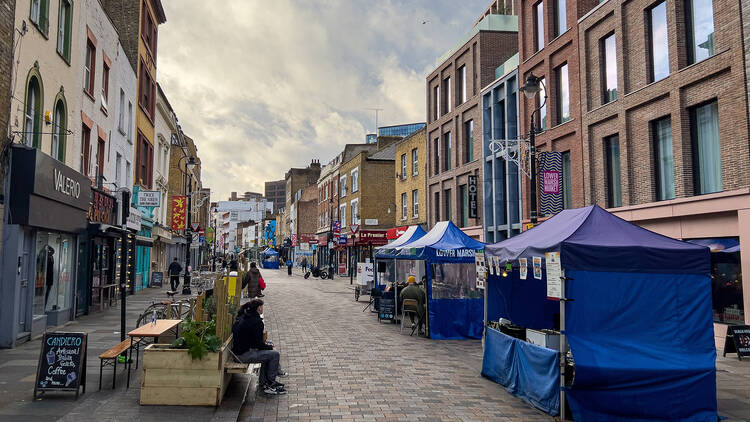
(737, 340)
(62, 363)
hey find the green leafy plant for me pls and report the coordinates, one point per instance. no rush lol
(209, 307)
(199, 338)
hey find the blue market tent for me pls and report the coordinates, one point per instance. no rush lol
(638, 319)
(454, 305)
(390, 250)
(270, 259)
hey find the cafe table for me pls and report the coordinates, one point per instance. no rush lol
(151, 330)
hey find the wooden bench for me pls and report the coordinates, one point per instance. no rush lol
(232, 367)
(109, 358)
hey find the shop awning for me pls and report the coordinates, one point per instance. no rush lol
(144, 241)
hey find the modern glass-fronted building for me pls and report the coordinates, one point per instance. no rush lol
(501, 178)
(400, 130)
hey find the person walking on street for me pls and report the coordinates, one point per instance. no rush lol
(249, 346)
(251, 281)
(233, 265)
(174, 274)
(304, 265)
(289, 267)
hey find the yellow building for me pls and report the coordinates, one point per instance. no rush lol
(411, 172)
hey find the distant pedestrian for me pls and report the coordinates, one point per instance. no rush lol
(304, 265)
(174, 274)
(289, 266)
(251, 281)
(233, 265)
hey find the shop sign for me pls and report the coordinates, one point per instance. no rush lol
(313, 241)
(551, 182)
(395, 233)
(472, 196)
(102, 209)
(149, 198)
(178, 212)
(371, 221)
(134, 219)
(294, 240)
(365, 273)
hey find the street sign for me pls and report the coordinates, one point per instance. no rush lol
(342, 239)
(195, 226)
(201, 232)
(149, 198)
(354, 227)
(337, 226)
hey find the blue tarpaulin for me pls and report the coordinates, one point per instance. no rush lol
(527, 371)
(270, 259)
(449, 317)
(640, 323)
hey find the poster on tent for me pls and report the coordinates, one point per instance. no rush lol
(537, 262)
(480, 268)
(523, 268)
(554, 275)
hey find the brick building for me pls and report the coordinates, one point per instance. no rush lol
(665, 128)
(7, 36)
(408, 207)
(548, 49)
(276, 192)
(454, 116)
(296, 180)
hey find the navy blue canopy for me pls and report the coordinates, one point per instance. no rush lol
(592, 239)
(269, 252)
(639, 318)
(389, 251)
(444, 243)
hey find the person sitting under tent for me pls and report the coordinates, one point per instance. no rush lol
(412, 291)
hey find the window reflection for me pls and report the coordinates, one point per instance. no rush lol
(659, 43)
(700, 29)
(454, 281)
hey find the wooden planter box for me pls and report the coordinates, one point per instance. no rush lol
(171, 377)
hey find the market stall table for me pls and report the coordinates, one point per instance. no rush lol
(154, 330)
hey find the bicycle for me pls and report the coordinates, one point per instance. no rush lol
(180, 309)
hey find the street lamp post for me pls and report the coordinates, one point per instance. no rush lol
(530, 89)
(213, 265)
(188, 234)
(331, 242)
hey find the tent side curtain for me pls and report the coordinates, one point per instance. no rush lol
(643, 346)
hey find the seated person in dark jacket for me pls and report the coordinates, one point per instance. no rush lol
(249, 346)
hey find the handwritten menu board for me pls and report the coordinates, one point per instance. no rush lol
(62, 363)
(737, 341)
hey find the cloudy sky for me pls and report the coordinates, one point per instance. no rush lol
(262, 86)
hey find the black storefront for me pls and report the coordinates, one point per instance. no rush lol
(45, 216)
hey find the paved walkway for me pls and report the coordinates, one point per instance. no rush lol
(343, 365)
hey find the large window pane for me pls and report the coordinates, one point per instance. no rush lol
(454, 281)
(539, 19)
(700, 26)
(542, 101)
(706, 148)
(464, 205)
(448, 155)
(664, 157)
(567, 189)
(614, 187)
(659, 53)
(469, 139)
(563, 94)
(561, 22)
(609, 65)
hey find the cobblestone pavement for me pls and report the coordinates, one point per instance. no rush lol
(344, 365)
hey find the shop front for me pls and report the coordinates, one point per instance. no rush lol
(162, 239)
(46, 213)
(144, 243)
(720, 221)
(361, 244)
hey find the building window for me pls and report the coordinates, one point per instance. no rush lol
(89, 68)
(664, 158)
(403, 166)
(130, 122)
(148, 31)
(355, 180)
(355, 211)
(33, 113)
(700, 29)
(59, 131)
(658, 41)
(563, 94)
(469, 141)
(342, 215)
(100, 144)
(539, 26)
(85, 149)
(561, 21)
(414, 162)
(145, 162)
(541, 103)
(462, 84)
(447, 203)
(415, 203)
(105, 85)
(447, 145)
(121, 116)
(448, 96)
(463, 194)
(64, 29)
(614, 186)
(567, 188)
(342, 183)
(39, 15)
(436, 203)
(608, 63)
(128, 174)
(704, 131)
(436, 101)
(118, 169)
(403, 206)
(147, 89)
(436, 149)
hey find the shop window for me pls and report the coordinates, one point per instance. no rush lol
(454, 281)
(53, 282)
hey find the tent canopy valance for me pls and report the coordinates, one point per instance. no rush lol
(444, 243)
(390, 250)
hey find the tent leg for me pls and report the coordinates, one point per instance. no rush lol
(563, 346)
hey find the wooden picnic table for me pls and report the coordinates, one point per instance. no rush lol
(156, 330)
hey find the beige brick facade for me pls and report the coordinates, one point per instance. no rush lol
(414, 178)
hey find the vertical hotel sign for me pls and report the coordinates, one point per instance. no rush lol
(472, 196)
(550, 181)
(179, 206)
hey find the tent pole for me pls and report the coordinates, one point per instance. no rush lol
(563, 347)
